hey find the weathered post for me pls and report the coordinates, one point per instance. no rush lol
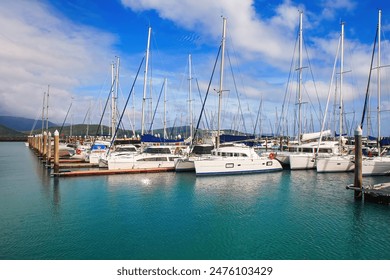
(48, 158)
(56, 152)
(44, 147)
(358, 182)
(39, 145)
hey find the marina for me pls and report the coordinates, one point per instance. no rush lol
(246, 158)
(285, 215)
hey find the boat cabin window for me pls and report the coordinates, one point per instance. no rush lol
(172, 158)
(157, 150)
(153, 159)
(126, 149)
(202, 150)
(325, 150)
(293, 149)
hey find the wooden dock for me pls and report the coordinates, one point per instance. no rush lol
(110, 172)
(378, 193)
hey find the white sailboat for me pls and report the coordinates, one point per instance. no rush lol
(377, 165)
(151, 157)
(197, 151)
(232, 159)
(303, 155)
(340, 161)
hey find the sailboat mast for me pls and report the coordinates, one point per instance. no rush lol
(190, 96)
(145, 82)
(341, 86)
(379, 81)
(221, 81)
(47, 108)
(165, 108)
(115, 97)
(112, 99)
(43, 112)
(300, 80)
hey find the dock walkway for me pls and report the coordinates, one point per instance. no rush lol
(379, 193)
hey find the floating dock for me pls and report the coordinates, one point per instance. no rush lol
(378, 193)
(111, 172)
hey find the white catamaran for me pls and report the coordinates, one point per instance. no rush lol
(232, 159)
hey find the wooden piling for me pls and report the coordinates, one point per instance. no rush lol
(56, 151)
(44, 147)
(358, 182)
(48, 158)
(39, 142)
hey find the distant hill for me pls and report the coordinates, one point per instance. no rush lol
(22, 124)
(7, 134)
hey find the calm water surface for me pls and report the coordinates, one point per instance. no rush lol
(283, 216)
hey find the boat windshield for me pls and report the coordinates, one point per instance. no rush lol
(157, 150)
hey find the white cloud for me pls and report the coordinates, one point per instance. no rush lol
(252, 35)
(270, 41)
(39, 47)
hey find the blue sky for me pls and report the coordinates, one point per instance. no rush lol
(70, 46)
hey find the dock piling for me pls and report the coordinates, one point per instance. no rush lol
(48, 158)
(56, 151)
(44, 148)
(358, 182)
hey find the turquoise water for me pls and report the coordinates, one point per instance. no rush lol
(295, 215)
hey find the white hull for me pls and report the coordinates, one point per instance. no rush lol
(142, 162)
(335, 164)
(283, 157)
(302, 161)
(304, 156)
(376, 166)
(227, 166)
(184, 164)
(94, 157)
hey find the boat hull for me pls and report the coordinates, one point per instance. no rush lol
(230, 166)
(376, 166)
(302, 161)
(142, 162)
(335, 164)
(184, 165)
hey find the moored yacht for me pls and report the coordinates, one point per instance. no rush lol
(122, 150)
(151, 157)
(235, 160)
(304, 156)
(198, 152)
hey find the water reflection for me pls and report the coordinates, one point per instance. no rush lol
(50, 186)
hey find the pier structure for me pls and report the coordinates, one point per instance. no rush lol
(358, 179)
(51, 157)
(378, 193)
(56, 151)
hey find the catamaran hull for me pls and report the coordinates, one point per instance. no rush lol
(131, 163)
(376, 166)
(230, 167)
(184, 165)
(335, 164)
(302, 161)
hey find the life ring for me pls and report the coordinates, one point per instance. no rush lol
(78, 151)
(271, 156)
